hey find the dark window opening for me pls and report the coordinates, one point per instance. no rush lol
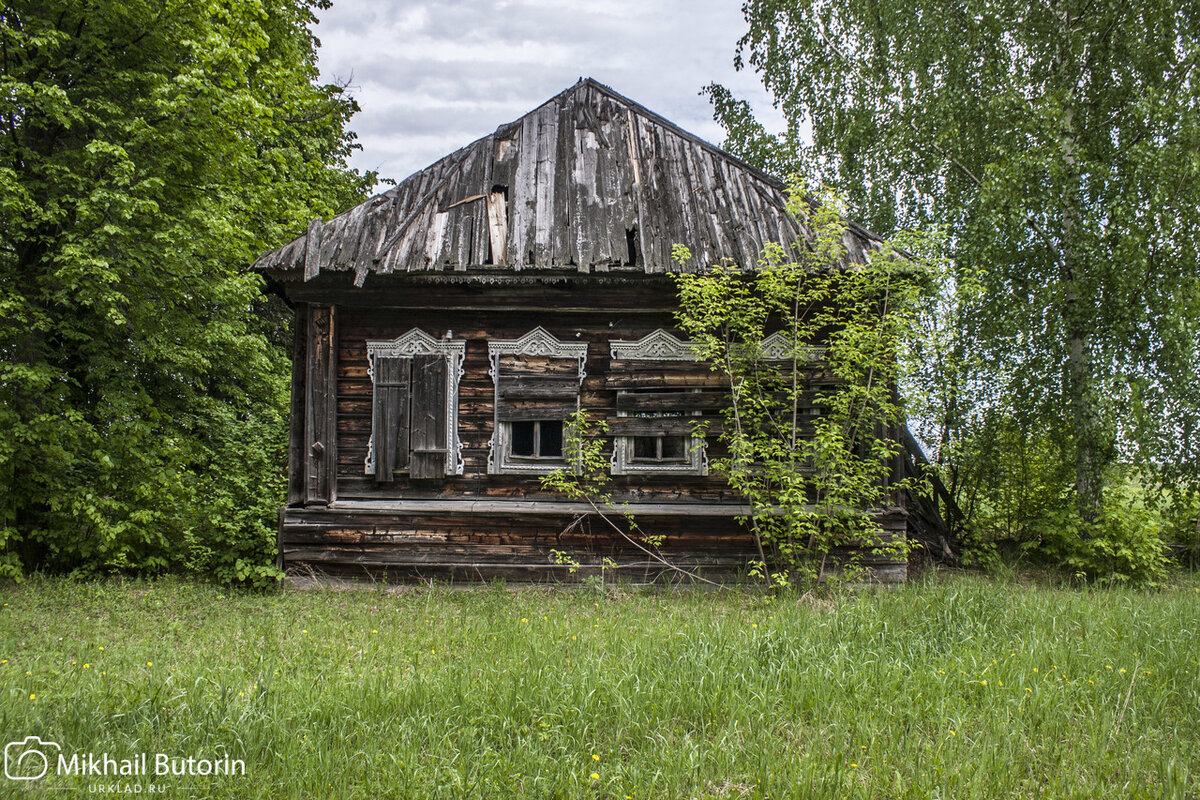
(536, 439)
(660, 449)
(631, 247)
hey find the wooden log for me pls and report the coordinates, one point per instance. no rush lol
(671, 401)
(533, 410)
(538, 387)
(654, 426)
(665, 379)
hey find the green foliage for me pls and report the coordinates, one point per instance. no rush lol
(1056, 144)
(588, 479)
(148, 152)
(811, 481)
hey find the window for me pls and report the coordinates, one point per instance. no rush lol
(537, 439)
(414, 407)
(660, 449)
(537, 381)
(661, 391)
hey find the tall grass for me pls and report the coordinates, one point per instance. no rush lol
(954, 688)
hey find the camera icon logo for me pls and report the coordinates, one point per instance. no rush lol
(28, 760)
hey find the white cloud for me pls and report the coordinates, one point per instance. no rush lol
(433, 76)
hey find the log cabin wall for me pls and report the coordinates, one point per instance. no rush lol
(478, 524)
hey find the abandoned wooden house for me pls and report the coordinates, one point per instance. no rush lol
(447, 327)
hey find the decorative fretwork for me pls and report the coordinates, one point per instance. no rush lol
(537, 343)
(417, 342)
(657, 346)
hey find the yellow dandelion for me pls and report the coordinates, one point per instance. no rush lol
(755, 625)
(101, 647)
(852, 764)
(952, 733)
(149, 663)
(374, 631)
(595, 776)
(595, 757)
(4, 661)
(1035, 669)
(1028, 689)
(524, 619)
(33, 697)
(941, 672)
(1108, 666)
(1122, 672)
(87, 666)
(983, 683)
(1000, 682)
(1091, 681)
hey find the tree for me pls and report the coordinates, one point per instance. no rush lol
(1059, 145)
(810, 331)
(149, 150)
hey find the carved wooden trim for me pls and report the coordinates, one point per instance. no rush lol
(777, 348)
(538, 342)
(659, 346)
(417, 342)
(656, 346)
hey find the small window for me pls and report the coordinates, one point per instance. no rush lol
(537, 379)
(662, 392)
(536, 439)
(660, 449)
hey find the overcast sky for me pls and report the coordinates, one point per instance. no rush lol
(432, 76)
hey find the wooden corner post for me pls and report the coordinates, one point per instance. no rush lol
(320, 407)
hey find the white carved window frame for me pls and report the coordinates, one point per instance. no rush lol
(417, 342)
(776, 348)
(656, 346)
(538, 342)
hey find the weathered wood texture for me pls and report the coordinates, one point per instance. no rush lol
(531, 388)
(320, 406)
(589, 181)
(365, 540)
(297, 462)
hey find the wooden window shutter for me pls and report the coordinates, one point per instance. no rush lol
(428, 429)
(390, 418)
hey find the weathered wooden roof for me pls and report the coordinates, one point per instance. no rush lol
(588, 181)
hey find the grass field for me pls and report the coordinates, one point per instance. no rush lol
(956, 688)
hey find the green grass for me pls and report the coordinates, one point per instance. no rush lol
(955, 688)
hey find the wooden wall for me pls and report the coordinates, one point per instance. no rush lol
(357, 525)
